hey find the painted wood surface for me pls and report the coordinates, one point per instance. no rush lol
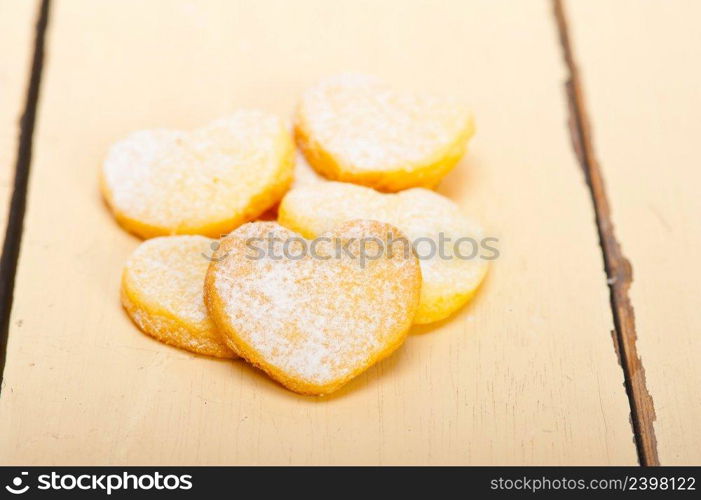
(17, 28)
(527, 374)
(638, 66)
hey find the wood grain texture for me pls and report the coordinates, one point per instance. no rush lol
(17, 25)
(527, 374)
(642, 92)
(618, 269)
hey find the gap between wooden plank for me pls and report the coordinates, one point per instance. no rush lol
(13, 233)
(618, 269)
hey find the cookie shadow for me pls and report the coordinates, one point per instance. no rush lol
(458, 181)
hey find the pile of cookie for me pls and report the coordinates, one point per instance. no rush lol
(335, 283)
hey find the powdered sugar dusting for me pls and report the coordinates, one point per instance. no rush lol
(169, 272)
(162, 290)
(317, 320)
(419, 213)
(367, 126)
(178, 180)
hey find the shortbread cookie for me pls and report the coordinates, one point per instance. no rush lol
(450, 278)
(355, 128)
(313, 315)
(208, 181)
(162, 290)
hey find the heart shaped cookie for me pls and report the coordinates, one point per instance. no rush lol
(162, 291)
(208, 181)
(355, 128)
(449, 246)
(312, 314)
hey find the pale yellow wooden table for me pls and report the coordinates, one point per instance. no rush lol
(585, 160)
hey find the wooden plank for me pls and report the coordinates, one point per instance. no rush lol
(17, 27)
(642, 91)
(526, 374)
